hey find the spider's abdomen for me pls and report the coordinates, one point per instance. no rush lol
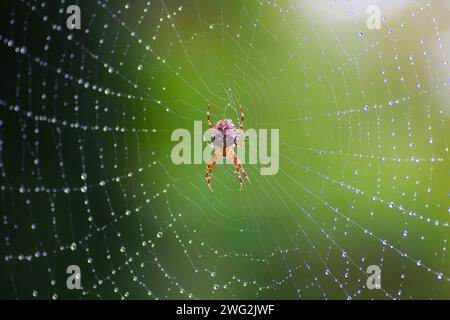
(224, 134)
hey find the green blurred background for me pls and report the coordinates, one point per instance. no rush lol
(87, 179)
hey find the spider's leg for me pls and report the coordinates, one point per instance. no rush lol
(238, 165)
(240, 177)
(243, 172)
(241, 127)
(209, 169)
(208, 115)
(242, 118)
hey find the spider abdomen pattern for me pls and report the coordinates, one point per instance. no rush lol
(224, 134)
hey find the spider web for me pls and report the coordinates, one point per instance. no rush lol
(87, 178)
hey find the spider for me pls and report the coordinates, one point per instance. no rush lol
(224, 138)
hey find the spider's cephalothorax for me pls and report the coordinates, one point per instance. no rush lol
(224, 138)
